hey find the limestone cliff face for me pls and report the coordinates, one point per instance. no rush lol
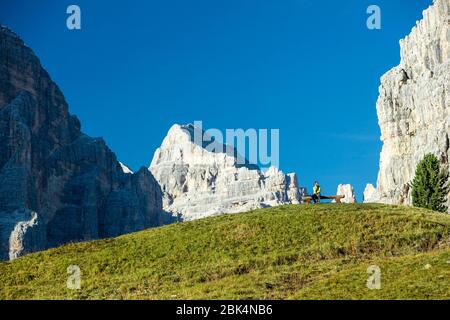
(414, 105)
(58, 185)
(197, 183)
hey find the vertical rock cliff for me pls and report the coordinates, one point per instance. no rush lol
(58, 185)
(414, 105)
(197, 183)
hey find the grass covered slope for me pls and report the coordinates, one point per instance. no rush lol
(287, 252)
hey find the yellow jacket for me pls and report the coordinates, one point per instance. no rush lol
(316, 189)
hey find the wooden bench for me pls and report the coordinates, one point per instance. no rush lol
(337, 198)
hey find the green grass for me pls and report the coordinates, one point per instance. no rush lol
(287, 252)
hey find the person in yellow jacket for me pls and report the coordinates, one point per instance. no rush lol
(316, 192)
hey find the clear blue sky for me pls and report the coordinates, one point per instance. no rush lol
(309, 68)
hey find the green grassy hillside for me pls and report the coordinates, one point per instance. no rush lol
(287, 252)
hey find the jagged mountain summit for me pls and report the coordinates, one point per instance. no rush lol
(57, 184)
(414, 106)
(197, 183)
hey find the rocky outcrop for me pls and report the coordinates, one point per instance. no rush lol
(348, 192)
(414, 105)
(125, 169)
(197, 183)
(27, 235)
(58, 185)
(371, 194)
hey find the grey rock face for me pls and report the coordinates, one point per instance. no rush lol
(58, 185)
(414, 105)
(197, 183)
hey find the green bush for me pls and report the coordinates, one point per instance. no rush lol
(429, 187)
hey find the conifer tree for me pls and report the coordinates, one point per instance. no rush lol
(429, 187)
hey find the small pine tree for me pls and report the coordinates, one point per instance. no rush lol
(429, 187)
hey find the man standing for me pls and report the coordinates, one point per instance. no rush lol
(316, 192)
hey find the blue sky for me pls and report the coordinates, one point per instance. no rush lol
(309, 68)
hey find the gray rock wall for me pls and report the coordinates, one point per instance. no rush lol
(58, 185)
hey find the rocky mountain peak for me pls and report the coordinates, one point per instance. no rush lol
(197, 182)
(191, 145)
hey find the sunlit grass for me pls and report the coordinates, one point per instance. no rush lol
(286, 252)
